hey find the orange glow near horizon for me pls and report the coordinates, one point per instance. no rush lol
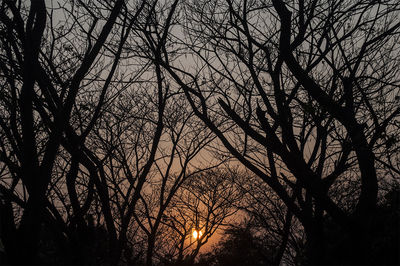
(197, 234)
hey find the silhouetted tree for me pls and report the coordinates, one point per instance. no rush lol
(98, 138)
(302, 92)
(40, 100)
(205, 204)
(270, 218)
(241, 245)
(174, 163)
(56, 72)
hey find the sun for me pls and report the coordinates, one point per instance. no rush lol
(197, 234)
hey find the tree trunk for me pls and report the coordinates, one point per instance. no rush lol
(285, 238)
(150, 249)
(7, 231)
(29, 232)
(315, 248)
(314, 228)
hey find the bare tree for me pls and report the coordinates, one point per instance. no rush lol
(273, 222)
(51, 57)
(304, 94)
(204, 205)
(97, 141)
(177, 161)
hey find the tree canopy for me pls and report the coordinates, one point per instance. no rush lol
(126, 125)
